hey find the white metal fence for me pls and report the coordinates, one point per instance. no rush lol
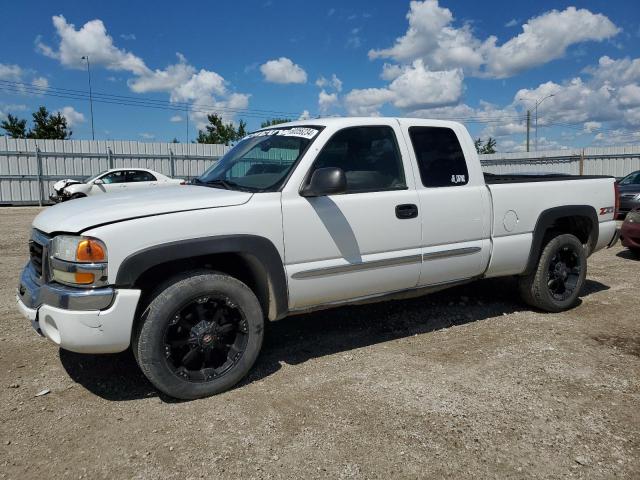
(28, 168)
(614, 161)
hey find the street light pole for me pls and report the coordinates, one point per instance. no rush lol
(93, 133)
(538, 102)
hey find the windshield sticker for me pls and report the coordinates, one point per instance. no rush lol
(303, 132)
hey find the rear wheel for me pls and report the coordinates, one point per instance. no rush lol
(556, 282)
(77, 195)
(200, 335)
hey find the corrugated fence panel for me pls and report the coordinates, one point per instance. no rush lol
(29, 168)
(614, 161)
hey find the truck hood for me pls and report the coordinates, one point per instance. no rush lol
(80, 214)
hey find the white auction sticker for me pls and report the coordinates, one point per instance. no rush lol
(303, 132)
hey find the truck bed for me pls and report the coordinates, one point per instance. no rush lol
(493, 179)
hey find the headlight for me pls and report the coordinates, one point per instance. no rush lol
(78, 261)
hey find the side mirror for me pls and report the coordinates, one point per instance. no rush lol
(325, 181)
(97, 181)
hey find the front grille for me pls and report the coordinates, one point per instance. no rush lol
(35, 252)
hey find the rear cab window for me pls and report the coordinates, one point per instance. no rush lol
(440, 158)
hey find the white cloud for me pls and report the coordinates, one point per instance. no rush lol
(10, 72)
(205, 90)
(7, 108)
(511, 23)
(305, 115)
(629, 95)
(283, 70)
(73, 117)
(93, 41)
(589, 127)
(176, 118)
(367, 102)
(413, 88)
(41, 83)
(147, 135)
(432, 37)
(128, 36)
(354, 40)
(333, 82)
(417, 87)
(326, 101)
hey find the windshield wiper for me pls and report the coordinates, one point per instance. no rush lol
(224, 183)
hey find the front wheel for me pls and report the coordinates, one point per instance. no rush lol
(556, 282)
(200, 335)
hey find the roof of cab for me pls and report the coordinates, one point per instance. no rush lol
(350, 121)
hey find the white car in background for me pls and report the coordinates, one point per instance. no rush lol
(113, 180)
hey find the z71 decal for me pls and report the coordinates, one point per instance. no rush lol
(605, 210)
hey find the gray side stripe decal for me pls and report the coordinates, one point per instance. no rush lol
(356, 267)
(450, 253)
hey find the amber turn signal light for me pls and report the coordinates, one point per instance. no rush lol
(90, 251)
(84, 278)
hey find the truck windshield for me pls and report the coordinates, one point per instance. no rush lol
(261, 161)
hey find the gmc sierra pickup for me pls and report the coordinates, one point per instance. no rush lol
(297, 217)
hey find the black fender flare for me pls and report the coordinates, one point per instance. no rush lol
(255, 247)
(548, 217)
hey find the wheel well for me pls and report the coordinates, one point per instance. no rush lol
(579, 226)
(243, 267)
(578, 220)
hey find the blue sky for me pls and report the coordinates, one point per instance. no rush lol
(483, 63)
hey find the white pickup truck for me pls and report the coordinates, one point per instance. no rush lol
(297, 217)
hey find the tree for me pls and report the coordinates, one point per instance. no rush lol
(242, 130)
(478, 144)
(49, 126)
(488, 147)
(274, 121)
(14, 127)
(218, 132)
(175, 140)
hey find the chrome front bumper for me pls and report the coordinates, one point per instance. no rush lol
(33, 293)
(96, 320)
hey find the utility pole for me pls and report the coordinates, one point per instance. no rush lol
(93, 133)
(187, 123)
(528, 127)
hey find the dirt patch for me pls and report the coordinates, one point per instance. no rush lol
(465, 383)
(630, 345)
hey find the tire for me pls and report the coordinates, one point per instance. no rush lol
(556, 282)
(200, 335)
(77, 195)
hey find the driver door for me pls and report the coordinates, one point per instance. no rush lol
(111, 182)
(356, 244)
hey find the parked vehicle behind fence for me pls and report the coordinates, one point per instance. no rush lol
(299, 217)
(114, 180)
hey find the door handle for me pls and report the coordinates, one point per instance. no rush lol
(406, 210)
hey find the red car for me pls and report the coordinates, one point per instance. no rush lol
(630, 231)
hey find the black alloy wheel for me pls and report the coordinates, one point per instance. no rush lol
(205, 338)
(564, 272)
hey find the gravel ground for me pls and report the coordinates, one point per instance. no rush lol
(466, 383)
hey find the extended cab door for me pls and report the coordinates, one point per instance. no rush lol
(453, 199)
(363, 242)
